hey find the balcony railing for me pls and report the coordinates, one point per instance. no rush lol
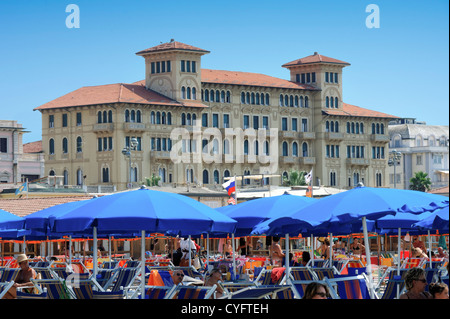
(358, 161)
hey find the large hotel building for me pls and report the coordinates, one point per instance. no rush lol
(85, 131)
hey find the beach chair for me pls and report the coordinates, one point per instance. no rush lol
(325, 272)
(56, 288)
(158, 292)
(302, 274)
(84, 287)
(189, 271)
(9, 274)
(257, 292)
(229, 287)
(265, 278)
(24, 295)
(106, 276)
(109, 265)
(320, 263)
(350, 287)
(4, 287)
(123, 280)
(191, 292)
(394, 284)
(413, 262)
(340, 265)
(132, 264)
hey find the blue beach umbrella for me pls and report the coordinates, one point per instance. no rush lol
(438, 220)
(252, 212)
(10, 221)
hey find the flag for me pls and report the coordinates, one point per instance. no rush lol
(22, 188)
(231, 201)
(230, 186)
(308, 177)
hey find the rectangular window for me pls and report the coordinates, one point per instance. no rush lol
(304, 125)
(418, 159)
(303, 78)
(326, 77)
(294, 125)
(188, 66)
(246, 121)
(78, 119)
(256, 122)
(313, 77)
(226, 120)
(153, 68)
(337, 151)
(215, 120)
(284, 125)
(332, 150)
(335, 78)
(205, 120)
(194, 67)
(266, 122)
(183, 66)
(163, 66)
(153, 142)
(64, 120)
(99, 141)
(308, 77)
(169, 68)
(3, 145)
(158, 67)
(327, 151)
(110, 143)
(51, 121)
(297, 78)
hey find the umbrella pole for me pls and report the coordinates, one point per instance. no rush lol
(207, 251)
(399, 259)
(311, 247)
(190, 261)
(331, 250)
(368, 261)
(142, 264)
(429, 247)
(94, 252)
(70, 251)
(109, 248)
(287, 257)
(234, 255)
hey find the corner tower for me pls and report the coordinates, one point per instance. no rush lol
(173, 69)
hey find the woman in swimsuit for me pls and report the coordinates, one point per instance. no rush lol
(356, 247)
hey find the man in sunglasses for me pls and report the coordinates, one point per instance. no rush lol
(415, 283)
(177, 277)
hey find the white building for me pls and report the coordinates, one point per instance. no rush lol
(423, 147)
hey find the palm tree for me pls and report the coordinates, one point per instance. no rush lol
(420, 182)
(296, 178)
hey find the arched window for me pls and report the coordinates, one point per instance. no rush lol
(79, 144)
(169, 118)
(110, 116)
(66, 177)
(158, 117)
(163, 118)
(306, 101)
(222, 96)
(336, 126)
(51, 146)
(296, 101)
(256, 146)
(327, 126)
(216, 177)
(252, 98)
(301, 102)
(133, 116)
(206, 95)
(305, 149)
(246, 147)
(79, 177)
(211, 95)
(242, 98)
(336, 102)
(138, 116)
(205, 177)
(194, 93)
(285, 149)
(381, 128)
(105, 175)
(183, 119)
(361, 128)
(217, 96)
(64, 145)
(348, 127)
(228, 100)
(291, 101)
(183, 92)
(247, 98)
(257, 99)
(188, 95)
(373, 128)
(99, 117)
(51, 173)
(266, 148)
(105, 117)
(281, 100)
(267, 99)
(331, 102)
(286, 100)
(226, 146)
(295, 149)
(188, 119)
(127, 116)
(152, 118)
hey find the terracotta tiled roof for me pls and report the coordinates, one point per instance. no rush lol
(25, 206)
(33, 147)
(315, 58)
(170, 46)
(252, 79)
(441, 190)
(111, 93)
(353, 110)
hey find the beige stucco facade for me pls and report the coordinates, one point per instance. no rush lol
(332, 138)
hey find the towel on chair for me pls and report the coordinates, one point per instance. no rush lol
(277, 274)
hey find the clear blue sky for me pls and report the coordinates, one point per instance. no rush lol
(401, 68)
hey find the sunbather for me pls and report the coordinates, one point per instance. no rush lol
(213, 278)
(415, 282)
(23, 278)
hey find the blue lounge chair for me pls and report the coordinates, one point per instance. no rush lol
(191, 292)
(302, 274)
(394, 284)
(56, 288)
(256, 292)
(4, 287)
(158, 292)
(324, 272)
(350, 287)
(9, 274)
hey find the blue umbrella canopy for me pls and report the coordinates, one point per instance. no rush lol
(438, 220)
(350, 207)
(10, 221)
(144, 209)
(253, 212)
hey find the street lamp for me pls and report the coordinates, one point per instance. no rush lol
(127, 153)
(394, 160)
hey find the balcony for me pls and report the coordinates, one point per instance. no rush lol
(163, 155)
(288, 159)
(103, 127)
(307, 160)
(357, 161)
(134, 127)
(336, 136)
(287, 134)
(379, 138)
(307, 135)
